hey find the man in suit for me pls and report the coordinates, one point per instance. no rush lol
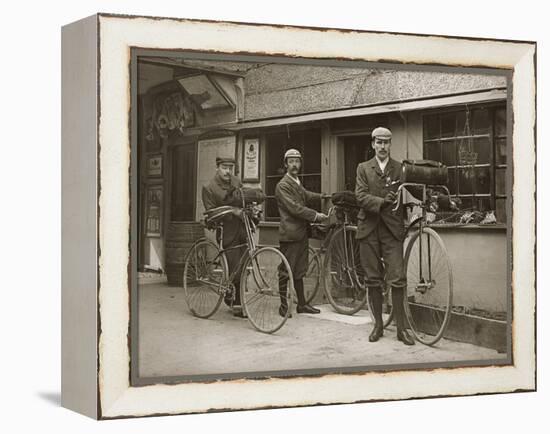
(381, 233)
(223, 190)
(294, 203)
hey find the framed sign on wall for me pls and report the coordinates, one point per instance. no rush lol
(251, 160)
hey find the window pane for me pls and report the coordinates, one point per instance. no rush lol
(467, 154)
(312, 151)
(271, 209)
(483, 180)
(474, 178)
(500, 151)
(461, 124)
(311, 183)
(275, 149)
(432, 151)
(271, 183)
(500, 122)
(500, 181)
(431, 127)
(483, 204)
(481, 122)
(448, 153)
(482, 148)
(501, 210)
(448, 125)
(452, 181)
(465, 181)
(475, 204)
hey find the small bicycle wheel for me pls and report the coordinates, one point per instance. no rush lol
(260, 295)
(344, 278)
(387, 307)
(429, 297)
(204, 274)
(312, 279)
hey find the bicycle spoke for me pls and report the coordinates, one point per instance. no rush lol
(261, 290)
(429, 287)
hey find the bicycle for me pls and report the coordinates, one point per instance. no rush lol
(207, 281)
(429, 295)
(340, 271)
(428, 300)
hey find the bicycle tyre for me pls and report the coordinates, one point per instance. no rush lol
(260, 295)
(203, 279)
(312, 279)
(428, 309)
(344, 281)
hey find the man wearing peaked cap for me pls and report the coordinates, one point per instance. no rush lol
(223, 190)
(225, 160)
(381, 233)
(294, 203)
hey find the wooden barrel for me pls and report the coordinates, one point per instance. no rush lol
(180, 236)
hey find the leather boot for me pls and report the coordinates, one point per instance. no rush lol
(375, 295)
(303, 307)
(397, 294)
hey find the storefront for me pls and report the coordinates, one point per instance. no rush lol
(256, 112)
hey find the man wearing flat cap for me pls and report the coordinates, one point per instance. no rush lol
(294, 203)
(381, 233)
(223, 190)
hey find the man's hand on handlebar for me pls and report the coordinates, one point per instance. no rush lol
(238, 212)
(389, 199)
(320, 217)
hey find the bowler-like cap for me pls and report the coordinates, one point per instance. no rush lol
(225, 160)
(381, 132)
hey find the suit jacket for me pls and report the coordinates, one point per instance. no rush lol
(218, 193)
(293, 201)
(370, 190)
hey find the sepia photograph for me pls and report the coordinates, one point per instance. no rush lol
(320, 217)
(287, 216)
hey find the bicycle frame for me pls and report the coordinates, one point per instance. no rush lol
(421, 222)
(251, 249)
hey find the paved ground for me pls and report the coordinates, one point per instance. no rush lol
(173, 342)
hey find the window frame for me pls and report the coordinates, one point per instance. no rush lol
(492, 136)
(267, 174)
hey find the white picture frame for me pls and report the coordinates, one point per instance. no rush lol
(96, 279)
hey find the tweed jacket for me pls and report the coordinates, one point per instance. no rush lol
(370, 189)
(218, 193)
(294, 201)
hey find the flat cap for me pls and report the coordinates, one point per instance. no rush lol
(381, 132)
(225, 160)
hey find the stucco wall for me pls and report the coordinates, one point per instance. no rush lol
(281, 90)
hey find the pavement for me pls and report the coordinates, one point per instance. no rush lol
(172, 342)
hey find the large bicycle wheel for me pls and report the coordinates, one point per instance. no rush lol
(260, 295)
(312, 279)
(204, 274)
(344, 278)
(429, 297)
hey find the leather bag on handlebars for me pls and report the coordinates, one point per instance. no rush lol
(424, 172)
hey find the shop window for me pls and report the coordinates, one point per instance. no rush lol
(308, 142)
(472, 143)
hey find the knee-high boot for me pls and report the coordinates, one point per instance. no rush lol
(299, 288)
(376, 298)
(397, 294)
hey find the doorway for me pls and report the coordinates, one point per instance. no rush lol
(357, 149)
